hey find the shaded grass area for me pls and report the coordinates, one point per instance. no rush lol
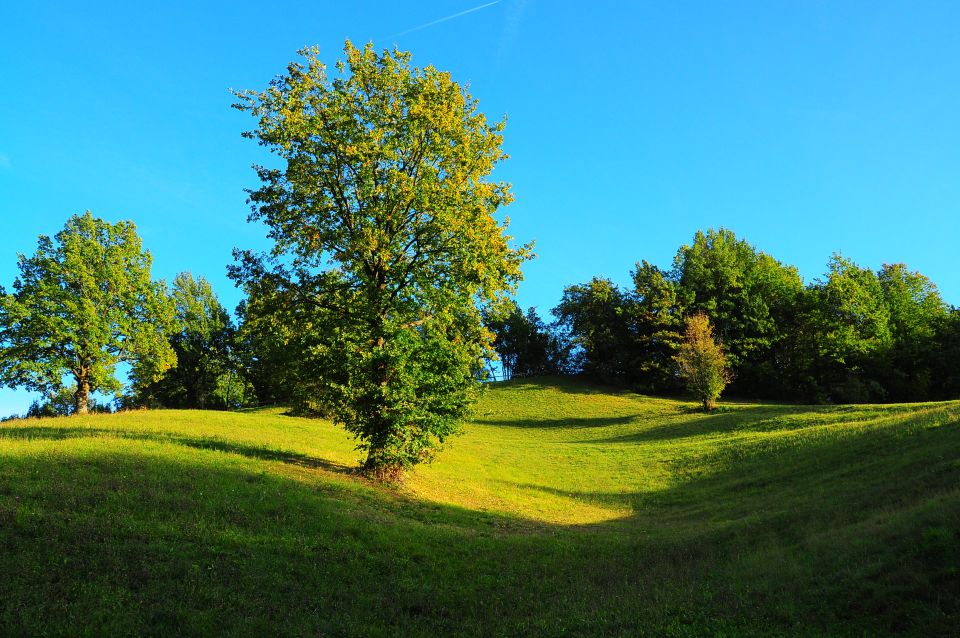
(563, 510)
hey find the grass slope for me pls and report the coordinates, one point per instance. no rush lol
(563, 510)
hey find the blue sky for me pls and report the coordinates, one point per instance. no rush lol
(806, 128)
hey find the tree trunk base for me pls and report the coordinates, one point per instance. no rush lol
(384, 473)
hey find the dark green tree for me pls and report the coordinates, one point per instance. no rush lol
(748, 296)
(946, 373)
(852, 322)
(279, 339)
(916, 311)
(208, 372)
(83, 303)
(656, 321)
(524, 343)
(595, 316)
(382, 216)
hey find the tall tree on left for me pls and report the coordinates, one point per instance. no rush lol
(83, 303)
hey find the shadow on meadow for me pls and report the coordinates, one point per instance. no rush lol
(831, 535)
(838, 529)
(121, 542)
(564, 384)
(765, 418)
(563, 423)
(219, 445)
(738, 419)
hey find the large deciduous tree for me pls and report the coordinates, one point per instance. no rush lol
(748, 295)
(382, 214)
(83, 303)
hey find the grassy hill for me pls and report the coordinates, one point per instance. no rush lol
(563, 510)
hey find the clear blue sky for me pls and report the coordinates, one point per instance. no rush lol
(805, 127)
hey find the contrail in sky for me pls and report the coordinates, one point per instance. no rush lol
(450, 17)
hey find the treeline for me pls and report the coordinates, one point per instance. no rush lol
(854, 335)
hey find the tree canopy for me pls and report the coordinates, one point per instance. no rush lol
(593, 315)
(747, 294)
(854, 335)
(524, 344)
(208, 370)
(82, 304)
(385, 240)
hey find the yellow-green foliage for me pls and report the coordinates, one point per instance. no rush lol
(703, 364)
(387, 214)
(563, 510)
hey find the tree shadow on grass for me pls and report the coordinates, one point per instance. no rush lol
(567, 423)
(704, 425)
(854, 528)
(615, 499)
(565, 384)
(759, 417)
(219, 445)
(126, 544)
(763, 418)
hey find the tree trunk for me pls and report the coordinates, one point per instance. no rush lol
(379, 469)
(378, 465)
(81, 400)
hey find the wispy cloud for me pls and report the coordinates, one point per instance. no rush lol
(511, 29)
(449, 17)
(4, 161)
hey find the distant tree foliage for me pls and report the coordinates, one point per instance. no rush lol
(702, 361)
(525, 345)
(945, 373)
(208, 373)
(82, 304)
(279, 342)
(654, 310)
(748, 296)
(854, 335)
(917, 314)
(63, 403)
(386, 247)
(594, 315)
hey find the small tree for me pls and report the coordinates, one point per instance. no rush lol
(83, 303)
(386, 244)
(702, 362)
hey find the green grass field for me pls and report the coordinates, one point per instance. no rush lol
(563, 510)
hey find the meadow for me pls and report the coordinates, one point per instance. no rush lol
(564, 509)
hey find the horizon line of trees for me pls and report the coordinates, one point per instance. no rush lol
(852, 336)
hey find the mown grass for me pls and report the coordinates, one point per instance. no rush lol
(563, 510)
